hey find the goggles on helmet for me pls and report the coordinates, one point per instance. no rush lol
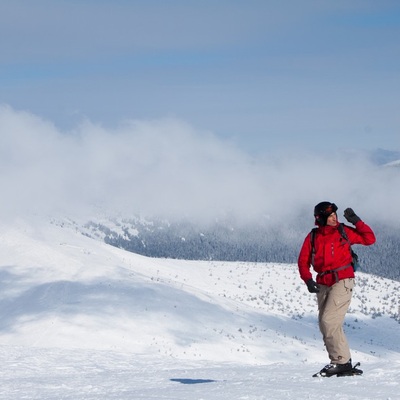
(327, 211)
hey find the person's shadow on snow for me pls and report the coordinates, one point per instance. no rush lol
(187, 381)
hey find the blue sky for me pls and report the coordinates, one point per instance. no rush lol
(264, 75)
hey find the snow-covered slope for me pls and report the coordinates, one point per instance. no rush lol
(395, 163)
(93, 314)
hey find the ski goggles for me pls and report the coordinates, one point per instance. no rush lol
(329, 210)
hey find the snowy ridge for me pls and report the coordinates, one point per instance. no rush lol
(395, 163)
(68, 300)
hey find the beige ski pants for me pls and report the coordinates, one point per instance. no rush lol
(333, 303)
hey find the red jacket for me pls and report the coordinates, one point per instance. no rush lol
(332, 252)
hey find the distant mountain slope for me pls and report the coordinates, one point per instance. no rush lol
(395, 163)
(382, 156)
(230, 241)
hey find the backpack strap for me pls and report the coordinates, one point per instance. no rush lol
(334, 272)
(312, 240)
(343, 232)
(354, 256)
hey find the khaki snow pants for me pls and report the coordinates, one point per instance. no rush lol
(333, 303)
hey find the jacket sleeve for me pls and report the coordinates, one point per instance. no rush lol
(304, 260)
(361, 234)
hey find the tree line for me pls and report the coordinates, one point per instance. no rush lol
(225, 241)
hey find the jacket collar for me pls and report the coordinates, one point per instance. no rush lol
(327, 229)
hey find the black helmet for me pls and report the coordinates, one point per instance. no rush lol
(322, 211)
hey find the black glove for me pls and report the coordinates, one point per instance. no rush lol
(312, 286)
(351, 216)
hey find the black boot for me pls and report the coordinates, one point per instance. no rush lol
(334, 369)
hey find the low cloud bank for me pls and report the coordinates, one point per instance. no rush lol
(169, 168)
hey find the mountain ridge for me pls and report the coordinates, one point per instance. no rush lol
(226, 240)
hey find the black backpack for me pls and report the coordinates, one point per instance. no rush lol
(355, 263)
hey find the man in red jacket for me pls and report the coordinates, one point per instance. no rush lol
(329, 252)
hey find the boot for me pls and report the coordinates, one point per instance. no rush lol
(334, 369)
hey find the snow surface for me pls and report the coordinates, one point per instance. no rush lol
(84, 320)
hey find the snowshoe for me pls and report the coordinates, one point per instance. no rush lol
(352, 372)
(339, 370)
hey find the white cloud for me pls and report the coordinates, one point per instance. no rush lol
(167, 167)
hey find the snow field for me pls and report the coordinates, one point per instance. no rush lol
(84, 320)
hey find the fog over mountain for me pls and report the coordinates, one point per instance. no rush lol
(170, 169)
(167, 170)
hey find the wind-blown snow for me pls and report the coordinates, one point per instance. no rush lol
(84, 320)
